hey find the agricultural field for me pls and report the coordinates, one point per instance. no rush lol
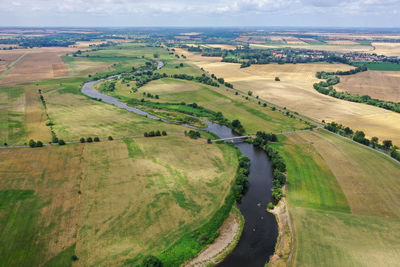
(342, 48)
(93, 200)
(254, 117)
(295, 91)
(343, 199)
(383, 85)
(34, 64)
(387, 49)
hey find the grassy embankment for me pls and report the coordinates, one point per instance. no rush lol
(343, 200)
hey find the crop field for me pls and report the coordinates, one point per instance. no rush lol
(383, 85)
(295, 91)
(343, 48)
(343, 200)
(38, 64)
(383, 66)
(387, 49)
(94, 200)
(253, 117)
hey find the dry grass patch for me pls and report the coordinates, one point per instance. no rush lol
(147, 194)
(383, 85)
(45, 224)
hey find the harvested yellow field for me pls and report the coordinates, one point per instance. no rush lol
(222, 46)
(38, 64)
(387, 49)
(322, 47)
(341, 42)
(383, 85)
(295, 91)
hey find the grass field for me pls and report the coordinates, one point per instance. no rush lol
(383, 85)
(343, 200)
(107, 202)
(295, 91)
(383, 66)
(254, 117)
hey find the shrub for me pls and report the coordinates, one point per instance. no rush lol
(74, 258)
(164, 133)
(61, 142)
(151, 261)
(82, 140)
(89, 140)
(96, 139)
(39, 144)
(209, 141)
(32, 143)
(270, 206)
(54, 139)
(110, 138)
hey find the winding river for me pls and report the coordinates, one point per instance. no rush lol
(260, 231)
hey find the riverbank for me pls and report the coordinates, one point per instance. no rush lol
(223, 245)
(284, 243)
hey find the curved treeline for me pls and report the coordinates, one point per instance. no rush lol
(326, 88)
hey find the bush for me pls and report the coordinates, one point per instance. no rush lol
(39, 144)
(151, 261)
(270, 206)
(74, 258)
(32, 143)
(110, 138)
(209, 141)
(61, 142)
(164, 133)
(96, 139)
(89, 140)
(82, 140)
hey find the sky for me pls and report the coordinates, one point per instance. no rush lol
(199, 13)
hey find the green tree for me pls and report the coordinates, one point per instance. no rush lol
(387, 144)
(110, 138)
(374, 141)
(96, 139)
(151, 261)
(82, 140)
(89, 139)
(32, 143)
(61, 142)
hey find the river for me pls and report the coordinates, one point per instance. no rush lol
(260, 231)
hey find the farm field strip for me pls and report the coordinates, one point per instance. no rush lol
(369, 186)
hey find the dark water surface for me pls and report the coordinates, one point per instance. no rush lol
(260, 231)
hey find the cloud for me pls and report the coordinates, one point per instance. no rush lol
(185, 10)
